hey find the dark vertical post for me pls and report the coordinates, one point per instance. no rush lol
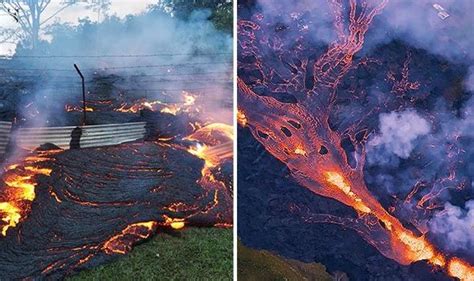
(83, 95)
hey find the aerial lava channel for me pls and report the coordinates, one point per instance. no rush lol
(298, 132)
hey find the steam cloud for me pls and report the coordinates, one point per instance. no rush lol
(399, 130)
(455, 225)
(414, 22)
(417, 23)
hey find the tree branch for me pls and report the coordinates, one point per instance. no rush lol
(56, 13)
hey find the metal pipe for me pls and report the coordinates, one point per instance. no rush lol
(83, 95)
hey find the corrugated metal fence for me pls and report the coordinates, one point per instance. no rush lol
(90, 136)
(5, 129)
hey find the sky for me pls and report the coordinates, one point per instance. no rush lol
(119, 8)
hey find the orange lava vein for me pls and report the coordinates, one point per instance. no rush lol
(122, 242)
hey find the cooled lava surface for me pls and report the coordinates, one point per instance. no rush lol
(88, 206)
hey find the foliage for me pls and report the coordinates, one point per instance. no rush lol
(221, 10)
(223, 17)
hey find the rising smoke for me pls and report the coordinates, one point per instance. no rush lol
(179, 54)
(455, 225)
(398, 132)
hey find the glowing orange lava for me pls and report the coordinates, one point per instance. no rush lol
(241, 119)
(10, 215)
(215, 143)
(175, 223)
(122, 242)
(187, 104)
(460, 269)
(20, 186)
(136, 107)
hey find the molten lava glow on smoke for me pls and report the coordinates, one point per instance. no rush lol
(299, 134)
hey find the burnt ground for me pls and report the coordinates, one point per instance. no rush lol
(267, 194)
(93, 195)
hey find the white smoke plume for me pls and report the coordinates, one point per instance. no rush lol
(455, 225)
(398, 132)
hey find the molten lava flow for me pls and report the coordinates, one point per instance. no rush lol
(299, 134)
(241, 119)
(122, 243)
(174, 223)
(10, 215)
(337, 60)
(70, 108)
(187, 104)
(215, 145)
(460, 269)
(213, 134)
(334, 178)
(337, 180)
(189, 99)
(403, 85)
(20, 182)
(137, 106)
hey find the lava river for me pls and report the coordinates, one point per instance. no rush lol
(297, 130)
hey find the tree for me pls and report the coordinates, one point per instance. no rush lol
(223, 17)
(222, 10)
(7, 35)
(28, 14)
(100, 7)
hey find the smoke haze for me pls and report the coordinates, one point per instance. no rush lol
(151, 55)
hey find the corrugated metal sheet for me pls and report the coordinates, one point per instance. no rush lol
(92, 135)
(5, 129)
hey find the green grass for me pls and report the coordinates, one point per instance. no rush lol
(197, 254)
(256, 265)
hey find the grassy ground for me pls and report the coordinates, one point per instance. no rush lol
(197, 254)
(256, 265)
